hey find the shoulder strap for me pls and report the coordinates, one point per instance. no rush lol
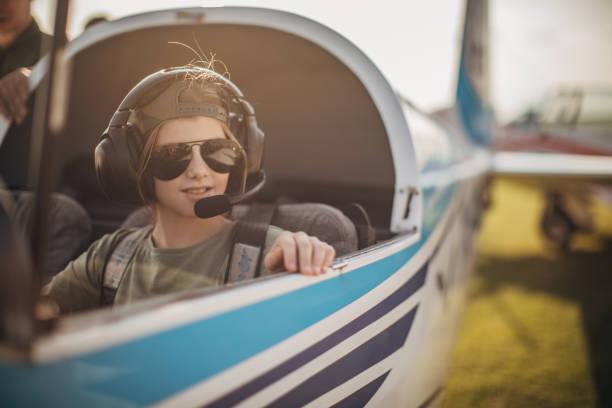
(117, 263)
(249, 240)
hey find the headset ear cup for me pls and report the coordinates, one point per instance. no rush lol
(104, 170)
(259, 148)
(116, 160)
(255, 145)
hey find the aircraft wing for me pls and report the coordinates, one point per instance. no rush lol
(557, 165)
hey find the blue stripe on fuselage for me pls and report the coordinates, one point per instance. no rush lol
(361, 397)
(312, 352)
(363, 357)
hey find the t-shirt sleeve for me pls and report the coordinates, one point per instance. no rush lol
(77, 287)
(271, 235)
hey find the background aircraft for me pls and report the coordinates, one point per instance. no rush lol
(566, 141)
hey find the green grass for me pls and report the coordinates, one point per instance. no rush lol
(538, 324)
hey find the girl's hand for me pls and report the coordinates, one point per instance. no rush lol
(297, 251)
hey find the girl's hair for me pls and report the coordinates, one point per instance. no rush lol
(200, 89)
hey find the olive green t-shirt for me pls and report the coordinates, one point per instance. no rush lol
(152, 271)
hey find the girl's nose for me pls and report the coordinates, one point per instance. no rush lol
(197, 166)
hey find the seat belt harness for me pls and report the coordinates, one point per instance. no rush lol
(117, 263)
(249, 241)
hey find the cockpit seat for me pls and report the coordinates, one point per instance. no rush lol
(320, 220)
(69, 226)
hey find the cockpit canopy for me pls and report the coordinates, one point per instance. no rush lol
(326, 140)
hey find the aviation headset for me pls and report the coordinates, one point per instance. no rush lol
(118, 152)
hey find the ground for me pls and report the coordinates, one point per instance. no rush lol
(538, 324)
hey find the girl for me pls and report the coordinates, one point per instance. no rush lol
(192, 138)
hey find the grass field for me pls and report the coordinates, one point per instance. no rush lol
(538, 324)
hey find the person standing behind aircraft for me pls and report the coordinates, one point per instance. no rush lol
(21, 45)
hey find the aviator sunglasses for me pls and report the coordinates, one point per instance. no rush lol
(171, 160)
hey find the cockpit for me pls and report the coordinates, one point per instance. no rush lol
(331, 121)
(324, 138)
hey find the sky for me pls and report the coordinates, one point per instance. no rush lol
(534, 45)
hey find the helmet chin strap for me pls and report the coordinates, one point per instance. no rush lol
(212, 206)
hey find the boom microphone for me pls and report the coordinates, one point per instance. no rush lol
(212, 206)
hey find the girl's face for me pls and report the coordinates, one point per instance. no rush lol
(178, 196)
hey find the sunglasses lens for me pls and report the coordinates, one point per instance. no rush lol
(170, 161)
(221, 155)
(168, 169)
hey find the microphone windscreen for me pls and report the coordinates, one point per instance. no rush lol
(211, 206)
